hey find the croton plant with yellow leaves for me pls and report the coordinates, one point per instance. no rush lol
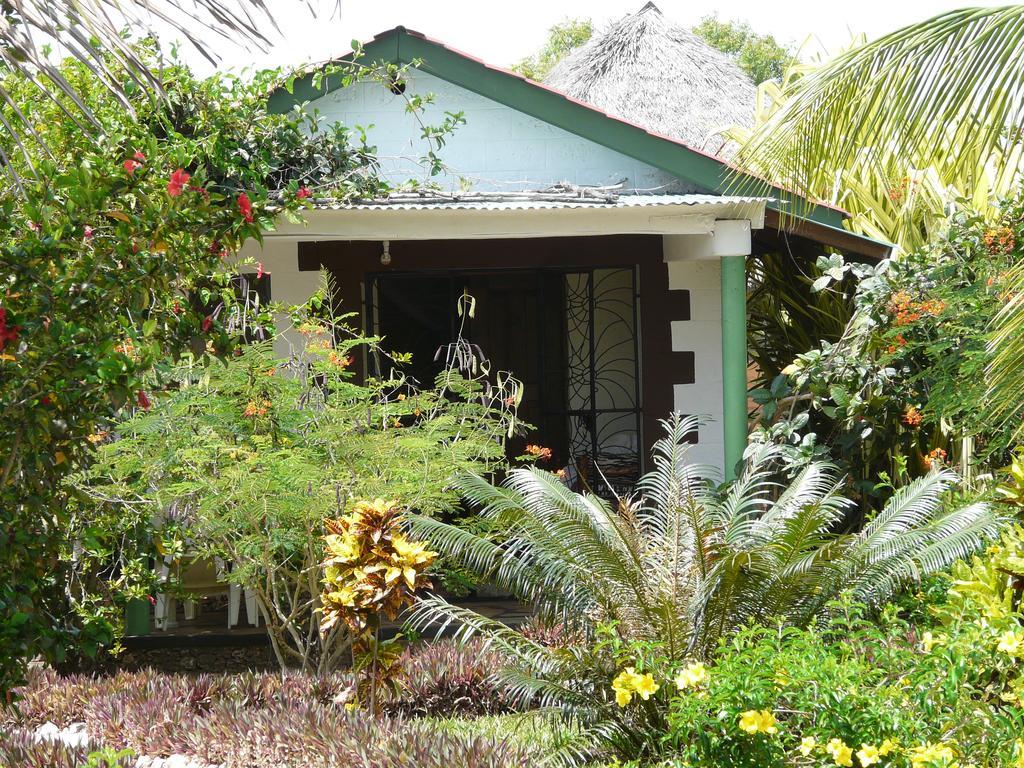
(371, 569)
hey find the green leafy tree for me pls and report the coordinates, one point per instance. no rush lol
(904, 385)
(243, 462)
(112, 256)
(93, 32)
(760, 56)
(563, 38)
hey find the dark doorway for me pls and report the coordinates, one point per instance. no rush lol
(569, 335)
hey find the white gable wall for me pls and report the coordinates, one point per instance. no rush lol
(498, 149)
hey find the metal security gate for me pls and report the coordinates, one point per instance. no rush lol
(571, 336)
(603, 401)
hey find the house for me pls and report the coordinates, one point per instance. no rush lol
(607, 258)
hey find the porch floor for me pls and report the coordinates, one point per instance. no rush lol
(210, 626)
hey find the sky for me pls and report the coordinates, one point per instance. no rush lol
(504, 32)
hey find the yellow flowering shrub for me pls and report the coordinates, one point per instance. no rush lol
(629, 682)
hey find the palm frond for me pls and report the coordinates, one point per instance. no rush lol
(1006, 348)
(910, 506)
(944, 92)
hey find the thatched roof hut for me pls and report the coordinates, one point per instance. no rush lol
(645, 69)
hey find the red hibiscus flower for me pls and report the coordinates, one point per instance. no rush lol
(8, 333)
(143, 400)
(176, 309)
(303, 193)
(177, 182)
(245, 207)
(207, 323)
(134, 162)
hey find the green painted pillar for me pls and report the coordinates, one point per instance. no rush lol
(136, 617)
(734, 360)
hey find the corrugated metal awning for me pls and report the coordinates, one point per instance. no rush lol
(533, 202)
(410, 217)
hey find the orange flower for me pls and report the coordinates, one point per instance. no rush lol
(253, 409)
(907, 311)
(337, 360)
(1000, 240)
(936, 456)
(542, 453)
(912, 417)
(898, 342)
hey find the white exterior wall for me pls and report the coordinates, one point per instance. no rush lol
(281, 259)
(498, 148)
(702, 335)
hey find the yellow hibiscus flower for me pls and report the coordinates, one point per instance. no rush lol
(841, 753)
(1011, 643)
(645, 686)
(868, 754)
(755, 721)
(692, 676)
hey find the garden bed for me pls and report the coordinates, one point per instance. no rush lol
(267, 719)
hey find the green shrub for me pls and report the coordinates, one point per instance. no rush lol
(664, 580)
(908, 385)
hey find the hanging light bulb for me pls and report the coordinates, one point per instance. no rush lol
(385, 255)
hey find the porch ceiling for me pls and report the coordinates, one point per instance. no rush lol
(496, 216)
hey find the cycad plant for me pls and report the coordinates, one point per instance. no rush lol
(683, 565)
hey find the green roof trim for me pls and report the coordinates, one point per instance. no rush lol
(402, 47)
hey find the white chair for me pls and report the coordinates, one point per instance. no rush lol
(201, 577)
(252, 612)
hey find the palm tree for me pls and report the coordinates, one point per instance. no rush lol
(687, 564)
(934, 109)
(92, 32)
